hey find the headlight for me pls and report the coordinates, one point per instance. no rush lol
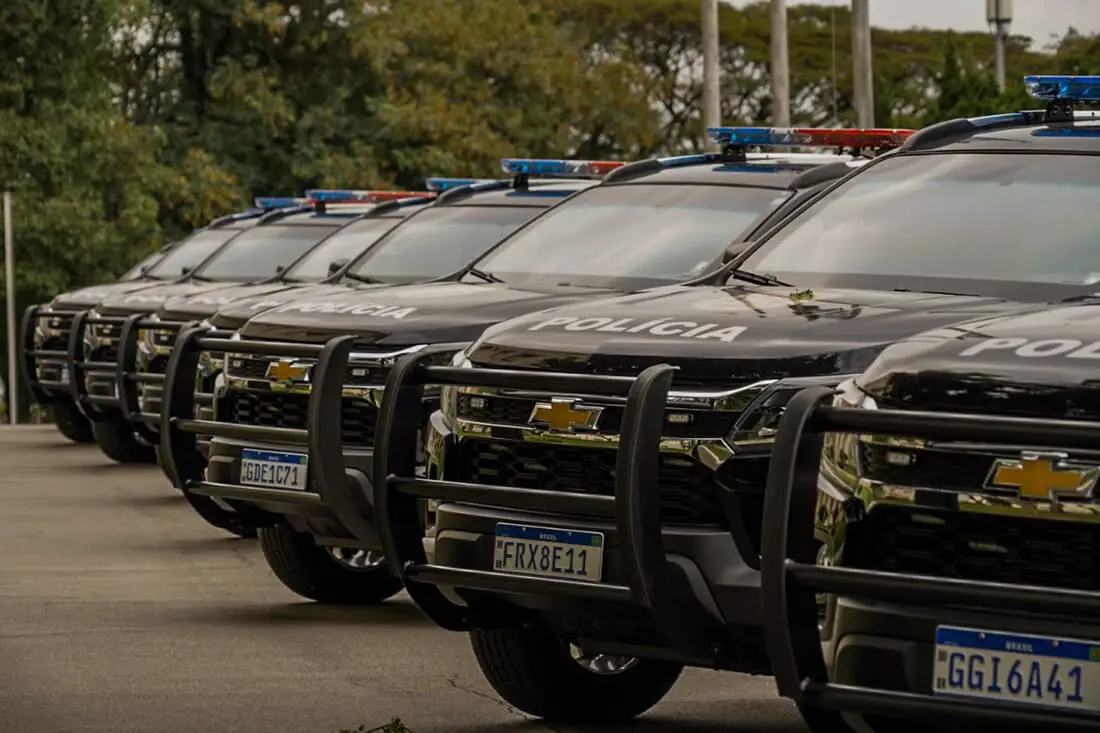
(147, 337)
(840, 460)
(448, 396)
(757, 425)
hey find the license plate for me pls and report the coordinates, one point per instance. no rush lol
(1039, 670)
(274, 469)
(554, 553)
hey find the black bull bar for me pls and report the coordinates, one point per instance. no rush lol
(791, 577)
(43, 390)
(654, 583)
(179, 428)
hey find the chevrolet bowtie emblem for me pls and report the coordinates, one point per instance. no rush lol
(285, 371)
(1043, 477)
(564, 415)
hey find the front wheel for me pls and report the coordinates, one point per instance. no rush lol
(70, 422)
(327, 574)
(542, 675)
(115, 436)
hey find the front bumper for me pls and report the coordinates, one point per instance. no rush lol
(886, 621)
(334, 506)
(45, 366)
(678, 587)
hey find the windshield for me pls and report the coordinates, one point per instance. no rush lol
(190, 252)
(439, 241)
(345, 244)
(631, 232)
(256, 254)
(135, 272)
(981, 217)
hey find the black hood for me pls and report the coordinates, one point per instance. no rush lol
(444, 312)
(150, 300)
(206, 303)
(93, 295)
(1043, 362)
(722, 335)
(234, 314)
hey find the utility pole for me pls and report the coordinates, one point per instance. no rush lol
(781, 73)
(9, 284)
(862, 75)
(711, 96)
(999, 14)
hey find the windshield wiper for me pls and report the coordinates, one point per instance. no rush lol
(482, 275)
(201, 278)
(587, 287)
(1083, 298)
(757, 279)
(362, 278)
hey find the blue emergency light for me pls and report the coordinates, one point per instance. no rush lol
(277, 202)
(808, 137)
(329, 195)
(559, 168)
(1063, 88)
(446, 184)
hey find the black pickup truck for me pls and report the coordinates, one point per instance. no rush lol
(600, 469)
(307, 490)
(931, 534)
(258, 254)
(44, 340)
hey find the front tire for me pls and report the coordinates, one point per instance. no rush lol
(70, 422)
(314, 572)
(534, 671)
(115, 436)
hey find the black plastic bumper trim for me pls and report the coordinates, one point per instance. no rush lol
(514, 584)
(253, 493)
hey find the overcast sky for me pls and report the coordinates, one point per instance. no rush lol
(1040, 19)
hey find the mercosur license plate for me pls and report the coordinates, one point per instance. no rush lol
(1039, 670)
(274, 469)
(554, 553)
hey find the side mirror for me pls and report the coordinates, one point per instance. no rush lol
(279, 269)
(186, 270)
(734, 251)
(336, 265)
(144, 269)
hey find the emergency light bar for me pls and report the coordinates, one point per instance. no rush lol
(277, 202)
(1063, 88)
(559, 168)
(446, 184)
(808, 137)
(336, 196)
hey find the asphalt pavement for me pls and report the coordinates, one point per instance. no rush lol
(120, 610)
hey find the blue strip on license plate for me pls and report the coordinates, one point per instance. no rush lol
(1038, 670)
(558, 553)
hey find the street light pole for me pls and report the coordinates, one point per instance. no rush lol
(863, 89)
(999, 14)
(711, 95)
(781, 75)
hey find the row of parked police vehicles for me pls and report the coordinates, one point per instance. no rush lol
(827, 416)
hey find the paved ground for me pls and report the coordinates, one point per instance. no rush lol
(122, 611)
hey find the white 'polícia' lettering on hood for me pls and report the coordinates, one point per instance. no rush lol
(379, 310)
(662, 327)
(147, 298)
(1037, 348)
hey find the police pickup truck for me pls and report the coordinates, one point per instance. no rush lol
(934, 520)
(46, 327)
(257, 254)
(145, 340)
(601, 468)
(322, 362)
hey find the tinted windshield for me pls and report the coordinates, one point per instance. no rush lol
(345, 244)
(190, 252)
(256, 254)
(1020, 218)
(440, 240)
(645, 231)
(135, 272)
